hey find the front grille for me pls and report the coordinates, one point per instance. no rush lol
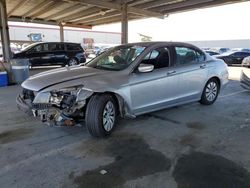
(41, 106)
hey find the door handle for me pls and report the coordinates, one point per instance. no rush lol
(171, 72)
(203, 66)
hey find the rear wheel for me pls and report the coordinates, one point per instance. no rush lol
(72, 62)
(210, 92)
(101, 115)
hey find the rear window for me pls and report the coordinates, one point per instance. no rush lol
(74, 47)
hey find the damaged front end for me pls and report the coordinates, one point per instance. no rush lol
(57, 108)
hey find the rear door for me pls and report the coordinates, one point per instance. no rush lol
(73, 50)
(192, 70)
(47, 57)
(59, 54)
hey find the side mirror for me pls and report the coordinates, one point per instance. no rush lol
(145, 68)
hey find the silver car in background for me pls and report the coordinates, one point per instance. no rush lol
(126, 81)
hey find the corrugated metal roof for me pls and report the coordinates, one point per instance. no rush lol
(88, 13)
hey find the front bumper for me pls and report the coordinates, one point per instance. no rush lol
(48, 115)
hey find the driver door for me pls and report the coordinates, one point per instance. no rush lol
(153, 90)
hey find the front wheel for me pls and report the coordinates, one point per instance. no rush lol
(72, 62)
(210, 92)
(101, 115)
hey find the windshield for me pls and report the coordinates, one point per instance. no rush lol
(117, 58)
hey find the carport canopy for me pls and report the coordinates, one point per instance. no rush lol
(89, 13)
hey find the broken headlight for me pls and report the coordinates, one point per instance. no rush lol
(67, 97)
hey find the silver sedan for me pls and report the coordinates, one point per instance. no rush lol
(127, 81)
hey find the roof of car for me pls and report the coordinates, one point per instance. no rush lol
(56, 42)
(147, 44)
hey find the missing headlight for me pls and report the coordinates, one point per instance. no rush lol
(68, 101)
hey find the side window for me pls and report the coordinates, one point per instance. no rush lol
(160, 58)
(200, 56)
(56, 47)
(244, 54)
(73, 47)
(37, 48)
(45, 48)
(186, 55)
(152, 55)
(59, 47)
(238, 54)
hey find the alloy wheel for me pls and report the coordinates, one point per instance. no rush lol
(72, 62)
(109, 116)
(211, 91)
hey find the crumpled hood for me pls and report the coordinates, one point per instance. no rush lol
(57, 76)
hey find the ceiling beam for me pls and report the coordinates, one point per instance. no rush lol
(87, 22)
(199, 6)
(98, 3)
(157, 3)
(137, 2)
(80, 14)
(99, 16)
(39, 21)
(144, 12)
(78, 26)
(46, 9)
(111, 20)
(71, 9)
(180, 4)
(117, 6)
(37, 8)
(17, 6)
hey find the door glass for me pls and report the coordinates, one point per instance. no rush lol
(45, 48)
(158, 57)
(56, 47)
(73, 47)
(186, 55)
(37, 48)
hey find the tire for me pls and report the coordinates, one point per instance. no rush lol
(101, 109)
(73, 61)
(210, 92)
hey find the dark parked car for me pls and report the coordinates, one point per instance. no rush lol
(232, 58)
(53, 53)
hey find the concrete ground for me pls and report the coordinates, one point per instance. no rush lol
(190, 146)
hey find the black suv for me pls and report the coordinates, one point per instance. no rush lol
(53, 53)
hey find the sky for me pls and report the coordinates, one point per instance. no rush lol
(218, 23)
